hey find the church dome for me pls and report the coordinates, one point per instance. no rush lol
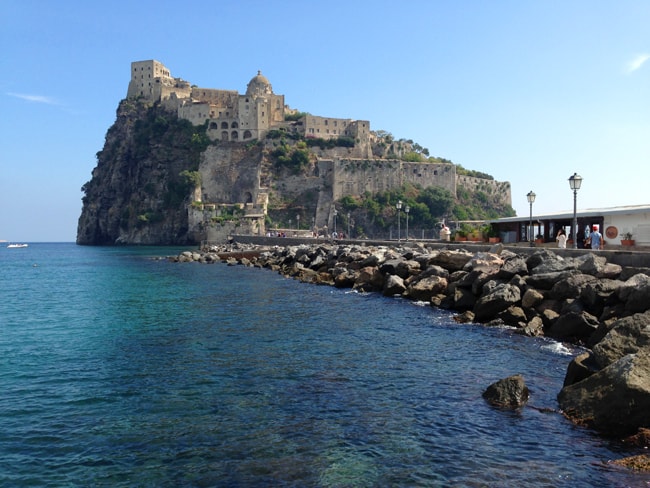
(259, 85)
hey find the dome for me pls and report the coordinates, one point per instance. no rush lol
(259, 85)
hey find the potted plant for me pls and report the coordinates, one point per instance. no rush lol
(493, 234)
(539, 239)
(626, 239)
(460, 235)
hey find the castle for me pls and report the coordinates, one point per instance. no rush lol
(229, 175)
(231, 116)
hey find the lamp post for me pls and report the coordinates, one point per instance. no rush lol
(399, 207)
(574, 182)
(298, 221)
(335, 214)
(407, 209)
(531, 198)
(349, 235)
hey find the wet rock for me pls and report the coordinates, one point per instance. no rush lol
(510, 392)
(394, 285)
(626, 336)
(573, 327)
(614, 400)
(424, 289)
(502, 297)
(640, 462)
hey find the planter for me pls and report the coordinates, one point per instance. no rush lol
(494, 240)
(460, 238)
(627, 242)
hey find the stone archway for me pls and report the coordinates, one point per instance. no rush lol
(247, 134)
(224, 135)
(234, 136)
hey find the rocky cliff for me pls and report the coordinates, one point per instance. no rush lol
(141, 185)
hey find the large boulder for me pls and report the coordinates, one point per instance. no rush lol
(615, 400)
(424, 289)
(501, 298)
(573, 327)
(635, 292)
(451, 260)
(571, 286)
(510, 392)
(393, 285)
(626, 336)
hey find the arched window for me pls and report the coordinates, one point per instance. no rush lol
(224, 135)
(248, 197)
(213, 125)
(247, 134)
(234, 125)
(234, 135)
(224, 125)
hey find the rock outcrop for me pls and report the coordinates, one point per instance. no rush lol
(510, 392)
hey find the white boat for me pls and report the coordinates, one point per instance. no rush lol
(10, 246)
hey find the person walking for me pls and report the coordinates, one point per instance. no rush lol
(596, 238)
(561, 239)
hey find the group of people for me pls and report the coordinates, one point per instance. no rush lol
(594, 239)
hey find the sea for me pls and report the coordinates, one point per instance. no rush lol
(119, 368)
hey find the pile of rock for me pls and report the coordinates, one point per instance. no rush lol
(583, 300)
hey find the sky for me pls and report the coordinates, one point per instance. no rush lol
(529, 92)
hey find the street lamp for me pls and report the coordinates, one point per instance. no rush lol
(298, 220)
(335, 214)
(407, 209)
(531, 198)
(349, 235)
(574, 182)
(399, 207)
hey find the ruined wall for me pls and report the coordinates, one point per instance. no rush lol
(356, 176)
(497, 190)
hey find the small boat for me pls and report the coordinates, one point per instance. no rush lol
(14, 246)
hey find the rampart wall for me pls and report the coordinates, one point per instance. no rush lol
(356, 176)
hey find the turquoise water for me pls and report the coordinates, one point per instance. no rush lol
(117, 369)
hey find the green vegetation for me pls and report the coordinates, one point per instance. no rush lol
(428, 206)
(295, 116)
(342, 141)
(476, 174)
(295, 159)
(160, 128)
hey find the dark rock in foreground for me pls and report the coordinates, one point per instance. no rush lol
(510, 392)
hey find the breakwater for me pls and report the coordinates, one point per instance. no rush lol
(581, 298)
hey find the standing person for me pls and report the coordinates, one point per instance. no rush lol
(596, 238)
(561, 239)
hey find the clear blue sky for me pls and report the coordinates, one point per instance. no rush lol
(527, 91)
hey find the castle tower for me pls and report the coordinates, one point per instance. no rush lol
(153, 81)
(259, 86)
